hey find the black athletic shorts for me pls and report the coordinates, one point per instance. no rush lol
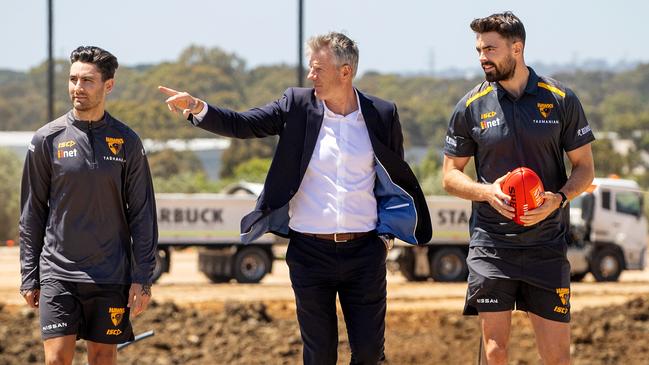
(94, 312)
(535, 279)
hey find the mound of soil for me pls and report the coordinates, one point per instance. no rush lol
(267, 333)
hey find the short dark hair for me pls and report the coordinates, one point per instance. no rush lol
(104, 60)
(506, 24)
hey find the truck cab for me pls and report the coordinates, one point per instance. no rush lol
(607, 222)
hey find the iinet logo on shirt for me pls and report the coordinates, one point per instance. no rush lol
(66, 153)
(490, 123)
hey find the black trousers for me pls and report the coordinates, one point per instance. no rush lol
(355, 270)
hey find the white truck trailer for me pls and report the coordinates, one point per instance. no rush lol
(211, 223)
(608, 231)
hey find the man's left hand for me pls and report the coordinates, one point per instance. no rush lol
(138, 298)
(551, 203)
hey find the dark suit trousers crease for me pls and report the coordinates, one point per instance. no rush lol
(355, 270)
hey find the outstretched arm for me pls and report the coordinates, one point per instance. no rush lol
(254, 123)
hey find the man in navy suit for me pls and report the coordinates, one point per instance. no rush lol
(338, 187)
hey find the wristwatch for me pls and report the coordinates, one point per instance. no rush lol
(564, 199)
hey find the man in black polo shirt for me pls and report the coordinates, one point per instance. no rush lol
(517, 119)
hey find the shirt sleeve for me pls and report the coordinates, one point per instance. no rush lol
(34, 210)
(141, 213)
(458, 141)
(576, 131)
(195, 119)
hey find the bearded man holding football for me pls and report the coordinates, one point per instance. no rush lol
(517, 257)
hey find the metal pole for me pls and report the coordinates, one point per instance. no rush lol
(137, 338)
(300, 41)
(50, 63)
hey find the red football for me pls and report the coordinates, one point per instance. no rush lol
(525, 189)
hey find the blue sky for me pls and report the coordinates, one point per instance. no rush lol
(393, 35)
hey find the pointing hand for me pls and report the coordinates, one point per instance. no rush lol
(181, 101)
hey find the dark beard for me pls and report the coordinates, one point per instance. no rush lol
(503, 73)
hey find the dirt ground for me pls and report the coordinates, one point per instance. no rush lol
(196, 322)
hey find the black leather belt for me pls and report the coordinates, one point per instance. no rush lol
(338, 237)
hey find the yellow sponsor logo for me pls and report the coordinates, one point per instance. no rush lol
(113, 332)
(545, 109)
(561, 310)
(66, 144)
(487, 115)
(116, 315)
(115, 144)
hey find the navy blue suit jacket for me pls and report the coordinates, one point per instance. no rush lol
(297, 118)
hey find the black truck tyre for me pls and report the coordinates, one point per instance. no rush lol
(578, 277)
(448, 264)
(251, 264)
(606, 264)
(407, 266)
(216, 278)
(216, 263)
(162, 261)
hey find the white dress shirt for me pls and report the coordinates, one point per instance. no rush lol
(337, 192)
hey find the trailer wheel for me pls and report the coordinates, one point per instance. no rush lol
(216, 278)
(449, 264)
(162, 261)
(251, 265)
(216, 263)
(607, 264)
(575, 278)
(407, 266)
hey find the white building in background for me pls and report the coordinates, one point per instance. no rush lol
(208, 150)
(16, 142)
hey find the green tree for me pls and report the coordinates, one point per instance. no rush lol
(10, 173)
(613, 101)
(607, 161)
(167, 163)
(186, 182)
(243, 150)
(253, 170)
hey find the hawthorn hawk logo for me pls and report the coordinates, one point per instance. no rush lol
(115, 144)
(116, 315)
(564, 295)
(545, 109)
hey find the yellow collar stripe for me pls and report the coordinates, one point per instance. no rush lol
(479, 95)
(552, 88)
